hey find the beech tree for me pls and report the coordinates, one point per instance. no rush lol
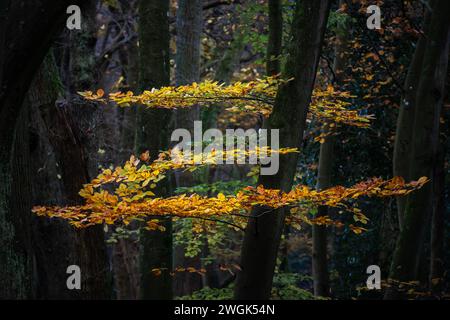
(262, 236)
(152, 133)
(189, 27)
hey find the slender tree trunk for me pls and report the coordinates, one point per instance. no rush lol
(325, 173)
(128, 124)
(189, 25)
(189, 30)
(262, 235)
(423, 153)
(275, 37)
(319, 233)
(126, 251)
(152, 134)
(187, 59)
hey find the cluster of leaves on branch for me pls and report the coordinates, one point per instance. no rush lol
(133, 199)
(133, 183)
(125, 193)
(137, 175)
(256, 97)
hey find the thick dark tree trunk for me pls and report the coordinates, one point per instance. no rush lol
(273, 67)
(152, 133)
(437, 268)
(25, 27)
(58, 245)
(429, 98)
(262, 235)
(405, 120)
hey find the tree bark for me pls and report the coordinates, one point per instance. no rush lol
(319, 233)
(187, 60)
(325, 172)
(437, 268)
(273, 67)
(57, 244)
(262, 235)
(152, 134)
(275, 37)
(19, 35)
(405, 120)
(189, 25)
(423, 154)
(126, 251)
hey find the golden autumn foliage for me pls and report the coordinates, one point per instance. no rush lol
(124, 194)
(257, 97)
(137, 174)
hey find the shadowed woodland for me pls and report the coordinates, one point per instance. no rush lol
(91, 176)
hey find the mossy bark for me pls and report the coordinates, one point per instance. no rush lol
(59, 172)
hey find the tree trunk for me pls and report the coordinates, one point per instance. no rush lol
(18, 37)
(319, 233)
(437, 268)
(125, 253)
(189, 25)
(273, 67)
(59, 245)
(275, 37)
(429, 98)
(325, 172)
(152, 134)
(187, 60)
(262, 235)
(405, 120)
